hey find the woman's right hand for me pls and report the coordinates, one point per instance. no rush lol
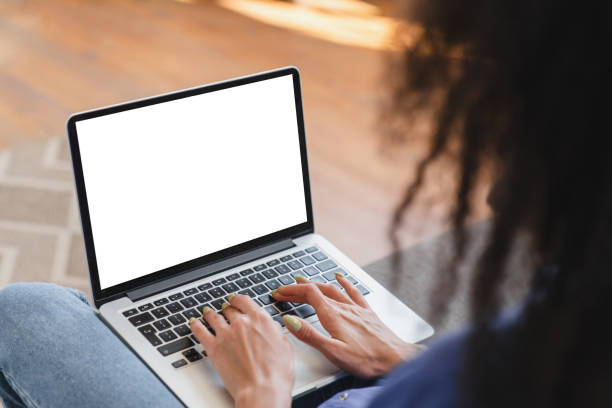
(360, 342)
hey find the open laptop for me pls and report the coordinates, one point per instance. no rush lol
(190, 196)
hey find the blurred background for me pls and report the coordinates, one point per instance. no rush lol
(58, 57)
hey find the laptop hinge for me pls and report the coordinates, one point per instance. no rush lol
(152, 289)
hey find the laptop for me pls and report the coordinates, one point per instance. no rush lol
(188, 197)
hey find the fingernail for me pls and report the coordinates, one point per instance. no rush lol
(205, 310)
(191, 320)
(275, 291)
(300, 278)
(229, 298)
(291, 322)
(224, 305)
(339, 274)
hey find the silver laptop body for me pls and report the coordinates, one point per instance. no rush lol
(190, 196)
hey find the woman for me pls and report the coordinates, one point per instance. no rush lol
(517, 89)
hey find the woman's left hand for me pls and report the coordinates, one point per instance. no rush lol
(251, 354)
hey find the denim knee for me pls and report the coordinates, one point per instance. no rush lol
(19, 300)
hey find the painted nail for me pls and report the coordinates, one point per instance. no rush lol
(291, 322)
(191, 320)
(300, 278)
(229, 298)
(206, 309)
(339, 274)
(224, 305)
(275, 291)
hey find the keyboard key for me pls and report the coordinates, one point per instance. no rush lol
(190, 292)
(194, 338)
(130, 312)
(146, 307)
(259, 267)
(257, 278)
(177, 319)
(260, 289)
(319, 256)
(192, 355)
(175, 346)
(217, 292)
(149, 332)
(270, 273)
(230, 287)
(233, 276)
(266, 299)
(160, 312)
(272, 311)
(273, 284)
(248, 292)
(295, 265)
(311, 270)
(297, 273)
(363, 290)
(189, 302)
(298, 254)
(318, 279)
(305, 311)
(217, 303)
(243, 283)
(182, 330)
(162, 324)
(278, 318)
(201, 307)
(167, 335)
(179, 363)
(273, 262)
(175, 297)
(191, 313)
(286, 258)
(283, 306)
(351, 279)
(174, 307)
(307, 260)
(246, 272)
(312, 249)
(205, 286)
(282, 269)
(340, 270)
(161, 301)
(203, 297)
(141, 319)
(326, 265)
(286, 280)
(330, 276)
(219, 281)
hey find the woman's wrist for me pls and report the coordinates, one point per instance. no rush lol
(268, 395)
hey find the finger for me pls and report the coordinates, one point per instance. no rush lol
(201, 333)
(330, 291)
(311, 336)
(351, 290)
(244, 303)
(214, 320)
(230, 312)
(306, 293)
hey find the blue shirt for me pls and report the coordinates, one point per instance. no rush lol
(428, 381)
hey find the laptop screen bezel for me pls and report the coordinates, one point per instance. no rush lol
(102, 296)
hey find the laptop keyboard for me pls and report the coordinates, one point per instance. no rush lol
(164, 321)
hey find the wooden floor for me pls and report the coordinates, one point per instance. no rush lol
(62, 56)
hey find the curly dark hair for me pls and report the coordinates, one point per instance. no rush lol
(521, 87)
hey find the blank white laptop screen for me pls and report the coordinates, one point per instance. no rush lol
(175, 181)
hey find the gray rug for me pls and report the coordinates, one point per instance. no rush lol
(40, 237)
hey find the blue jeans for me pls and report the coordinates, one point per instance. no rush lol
(56, 352)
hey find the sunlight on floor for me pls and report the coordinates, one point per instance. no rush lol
(346, 22)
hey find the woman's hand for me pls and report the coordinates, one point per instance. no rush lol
(251, 354)
(360, 343)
